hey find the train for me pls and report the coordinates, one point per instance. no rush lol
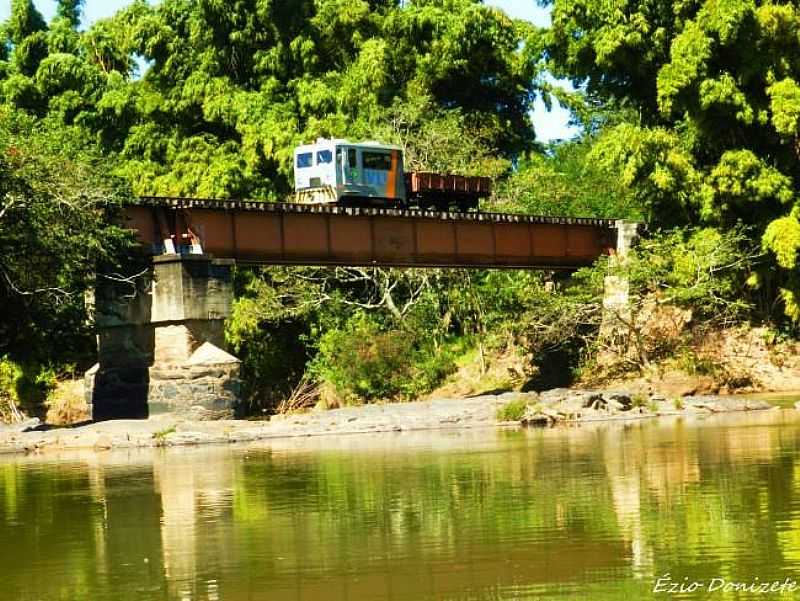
(344, 173)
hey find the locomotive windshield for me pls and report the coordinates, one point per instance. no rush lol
(378, 161)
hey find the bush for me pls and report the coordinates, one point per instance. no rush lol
(513, 411)
(362, 362)
(23, 389)
(10, 375)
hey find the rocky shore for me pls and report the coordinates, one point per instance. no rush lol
(506, 410)
(564, 405)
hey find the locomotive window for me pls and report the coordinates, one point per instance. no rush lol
(305, 160)
(377, 161)
(351, 158)
(324, 157)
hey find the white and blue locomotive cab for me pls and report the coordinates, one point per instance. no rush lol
(333, 171)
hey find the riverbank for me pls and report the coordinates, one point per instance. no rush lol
(562, 406)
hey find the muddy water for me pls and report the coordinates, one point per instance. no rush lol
(592, 512)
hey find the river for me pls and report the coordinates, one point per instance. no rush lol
(595, 512)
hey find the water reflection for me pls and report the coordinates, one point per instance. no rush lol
(592, 512)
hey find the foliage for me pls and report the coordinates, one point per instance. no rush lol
(715, 86)
(513, 411)
(701, 269)
(566, 181)
(160, 437)
(679, 279)
(23, 388)
(286, 318)
(361, 362)
(66, 404)
(231, 90)
(55, 201)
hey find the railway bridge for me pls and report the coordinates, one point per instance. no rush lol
(161, 335)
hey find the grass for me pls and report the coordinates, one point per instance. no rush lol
(161, 436)
(639, 401)
(642, 401)
(513, 411)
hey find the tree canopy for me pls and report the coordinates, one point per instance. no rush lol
(231, 88)
(716, 88)
(56, 228)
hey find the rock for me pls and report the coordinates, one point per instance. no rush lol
(593, 400)
(553, 415)
(103, 443)
(556, 395)
(754, 405)
(191, 438)
(537, 419)
(623, 398)
(30, 424)
(24, 426)
(614, 406)
(536, 416)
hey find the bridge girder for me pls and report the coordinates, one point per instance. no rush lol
(289, 234)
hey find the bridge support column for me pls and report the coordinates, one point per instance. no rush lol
(161, 342)
(616, 299)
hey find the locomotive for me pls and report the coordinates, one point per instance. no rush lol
(340, 172)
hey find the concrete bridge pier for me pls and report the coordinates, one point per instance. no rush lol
(161, 342)
(616, 300)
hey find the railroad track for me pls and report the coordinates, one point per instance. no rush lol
(294, 208)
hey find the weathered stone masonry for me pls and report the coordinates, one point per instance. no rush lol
(161, 341)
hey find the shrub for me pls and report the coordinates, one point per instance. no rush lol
(23, 389)
(513, 411)
(10, 375)
(363, 362)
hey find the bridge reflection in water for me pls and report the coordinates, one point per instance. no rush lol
(593, 512)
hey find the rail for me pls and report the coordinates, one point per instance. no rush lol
(165, 202)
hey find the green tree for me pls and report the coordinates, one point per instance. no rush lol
(56, 209)
(566, 181)
(715, 88)
(232, 89)
(24, 22)
(71, 11)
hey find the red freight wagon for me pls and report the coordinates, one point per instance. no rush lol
(440, 191)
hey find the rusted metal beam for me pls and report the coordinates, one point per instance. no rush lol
(289, 234)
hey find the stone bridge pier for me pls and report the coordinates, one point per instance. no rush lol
(161, 342)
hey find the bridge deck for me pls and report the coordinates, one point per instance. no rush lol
(292, 234)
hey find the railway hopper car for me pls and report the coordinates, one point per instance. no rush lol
(373, 174)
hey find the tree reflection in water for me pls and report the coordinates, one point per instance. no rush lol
(599, 510)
